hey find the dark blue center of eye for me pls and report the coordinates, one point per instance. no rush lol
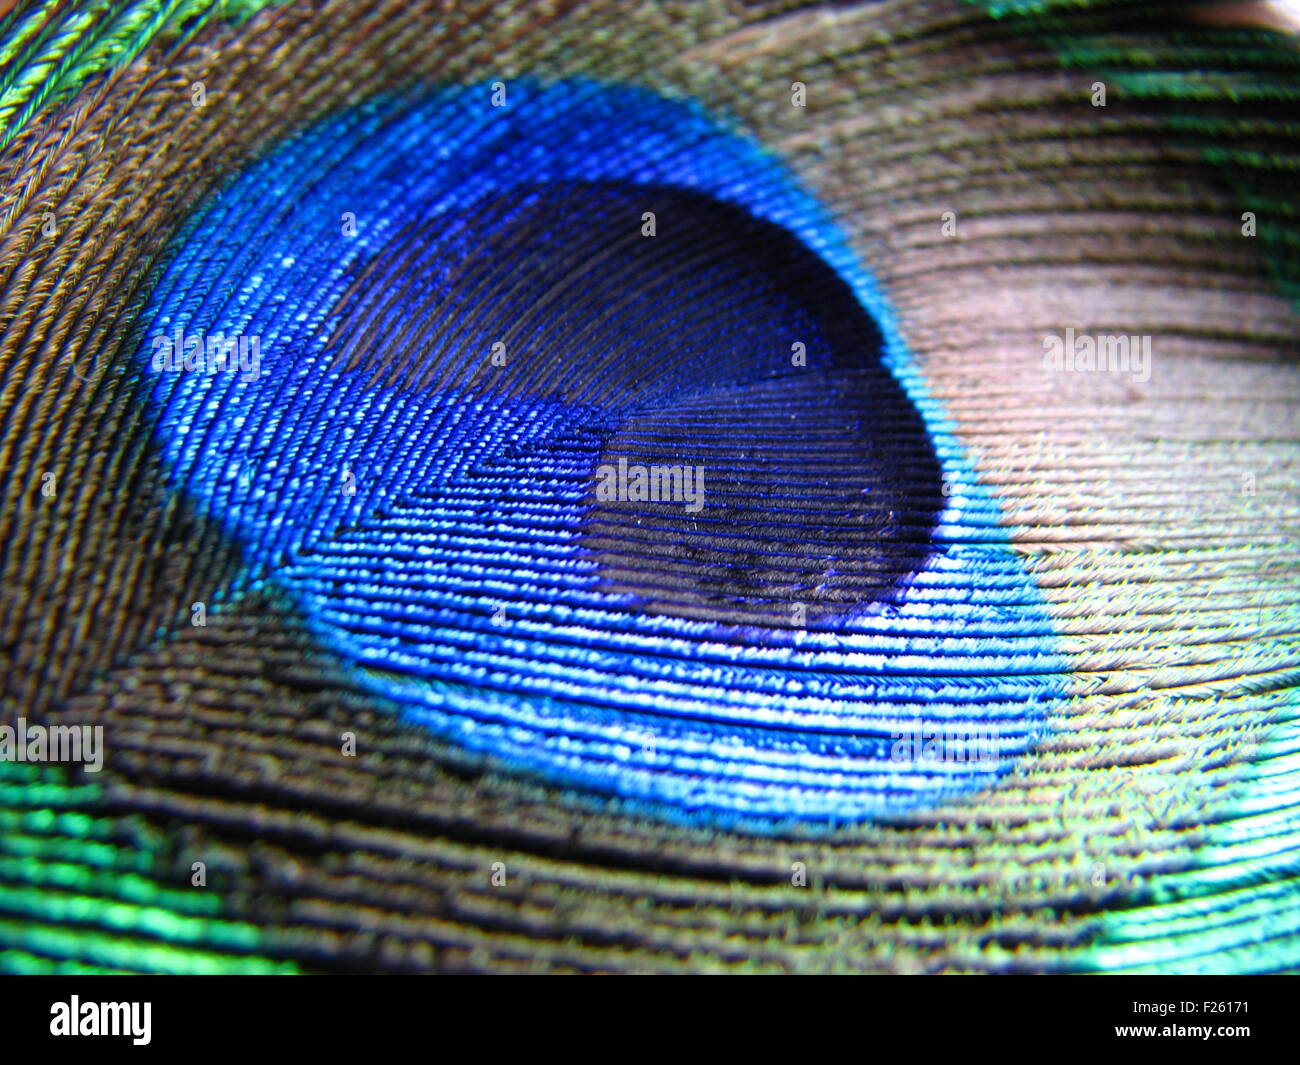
(685, 341)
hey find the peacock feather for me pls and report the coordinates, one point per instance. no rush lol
(727, 486)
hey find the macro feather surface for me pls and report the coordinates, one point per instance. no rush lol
(602, 738)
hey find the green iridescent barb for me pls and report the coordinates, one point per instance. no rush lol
(85, 892)
(49, 50)
(1221, 91)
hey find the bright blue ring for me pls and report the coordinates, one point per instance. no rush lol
(756, 736)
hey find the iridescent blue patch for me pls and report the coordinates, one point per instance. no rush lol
(420, 362)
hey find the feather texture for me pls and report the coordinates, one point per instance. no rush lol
(1116, 551)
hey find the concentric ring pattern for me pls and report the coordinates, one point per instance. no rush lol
(454, 315)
